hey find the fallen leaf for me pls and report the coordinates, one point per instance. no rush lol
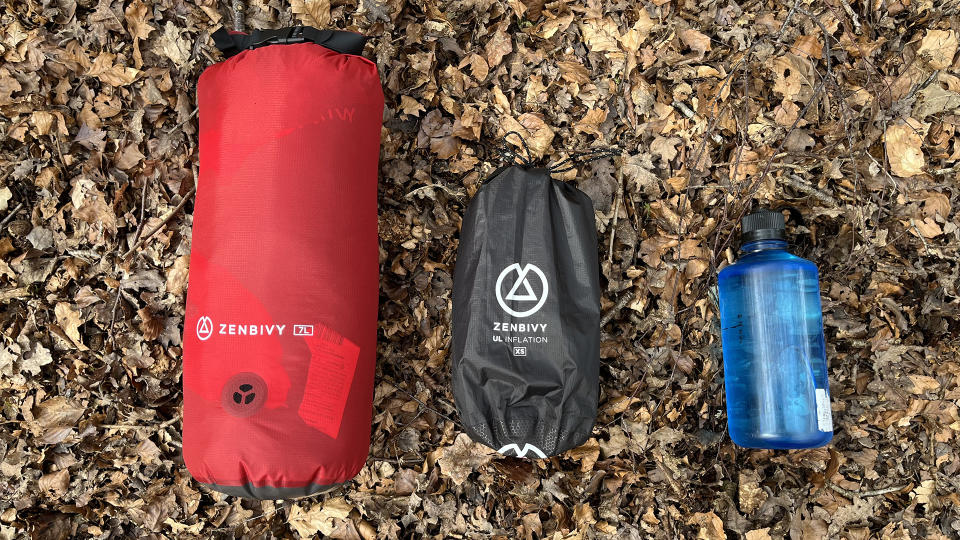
(711, 526)
(921, 384)
(903, 144)
(463, 457)
(319, 518)
(809, 46)
(697, 41)
(533, 128)
(939, 48)
(498, 46)
(601, 35)
(314, 13)
(55, 484)
(174, 47)
(178, 274)
(138, 16)
(590, 123)
(36, 359)
(750, 494)
(587, 454)
(104, 69)
(68, 318)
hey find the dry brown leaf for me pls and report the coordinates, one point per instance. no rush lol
(478, 66)
(921, 384)
(590, 123)
(750, 493)
(903, 144)
(178, 274)
(55, 483)
(319, 518)
(533, 128)
(665, 147)
(314, 13)
(104, 69)
(8, 86)
(128, 158)
(601, 35)
(696, 40)
(150, 325)
(498, 46)
(711, 526)
(638, 33)
(808, 46)
(174, 47)
(759, 534)
(792, 77)
(43, 121)
(463, 457)
(138, 17)
(939, 48)
(68, 318)
(555, 24)
(587, 454)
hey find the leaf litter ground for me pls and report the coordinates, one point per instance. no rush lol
(845, 110)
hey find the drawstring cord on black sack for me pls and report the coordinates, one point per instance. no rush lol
(508, 153)
(571, 162)
(566, 164)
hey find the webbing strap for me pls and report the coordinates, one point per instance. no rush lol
(335, 40)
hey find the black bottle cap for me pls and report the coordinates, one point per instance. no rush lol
(762, 225)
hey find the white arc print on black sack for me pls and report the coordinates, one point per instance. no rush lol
(522, 453)
(522, 282)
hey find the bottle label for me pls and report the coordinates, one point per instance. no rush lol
(824, 417)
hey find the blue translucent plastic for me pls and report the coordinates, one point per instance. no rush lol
(775, 366)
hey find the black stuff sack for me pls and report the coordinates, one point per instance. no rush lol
(526, 315)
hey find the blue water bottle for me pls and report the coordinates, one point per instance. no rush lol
(775, 365)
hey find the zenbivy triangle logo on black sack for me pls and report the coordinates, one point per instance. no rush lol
(525, 355)
(526, 295)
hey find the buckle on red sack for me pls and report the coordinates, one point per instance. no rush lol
(285, 36)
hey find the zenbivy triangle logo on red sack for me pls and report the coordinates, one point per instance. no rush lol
(204, 328)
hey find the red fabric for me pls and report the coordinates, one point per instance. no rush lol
(284, 234)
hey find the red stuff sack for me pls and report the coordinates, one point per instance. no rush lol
(281, 318)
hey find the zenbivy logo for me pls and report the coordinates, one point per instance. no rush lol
(528, 294)
(522, 453)
(204, 328)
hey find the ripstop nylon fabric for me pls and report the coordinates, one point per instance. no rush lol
(526, 315)
(281, 318)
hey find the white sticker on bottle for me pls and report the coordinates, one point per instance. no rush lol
(824, 417)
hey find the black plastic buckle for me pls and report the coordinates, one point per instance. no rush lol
(273, 37)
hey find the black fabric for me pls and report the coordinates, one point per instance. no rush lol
(526, 315)
(335, 40)
(251, 491)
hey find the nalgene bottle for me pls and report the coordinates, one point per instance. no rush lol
(775, 366)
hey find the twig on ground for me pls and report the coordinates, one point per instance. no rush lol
(616, 212)
(10, 215)
(623, 302)
(162, 223)
(864, 494)
(154, 427)
(853, 16)
(238, 17)
(136, 235)
(803, 185)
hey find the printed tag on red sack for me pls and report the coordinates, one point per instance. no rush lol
(333, 362)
